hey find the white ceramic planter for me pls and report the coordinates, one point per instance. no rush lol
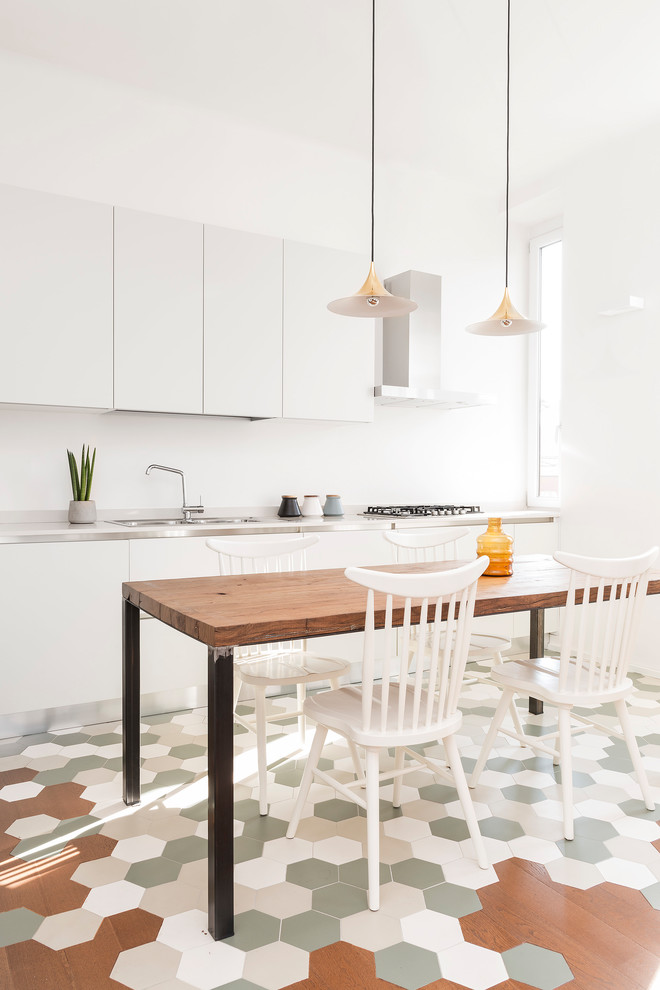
(82, 512)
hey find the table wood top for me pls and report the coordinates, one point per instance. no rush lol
(264, 608)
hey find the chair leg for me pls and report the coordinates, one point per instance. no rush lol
(238, 683)
(465, 798)
(373, 829)
(307, 777)
(300, 695)
(633, 749)
(513, 711)
(357, 762)
(262, 763)
(566, 758)
(399, 759)
(515, 718)
(498, 718)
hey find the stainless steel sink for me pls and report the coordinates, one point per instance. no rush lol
(208, 521)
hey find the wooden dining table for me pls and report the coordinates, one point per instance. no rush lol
(241, 610)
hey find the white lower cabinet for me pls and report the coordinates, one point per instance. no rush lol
(61, 626)
(61, 604)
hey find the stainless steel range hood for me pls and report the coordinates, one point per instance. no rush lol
(411, 349)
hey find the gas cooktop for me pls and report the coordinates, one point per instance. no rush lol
(406, 511)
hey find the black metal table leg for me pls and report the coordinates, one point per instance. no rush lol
(131, 702)
(221, 792)
(536, 649)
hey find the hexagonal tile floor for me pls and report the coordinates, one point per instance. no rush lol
(96, 896)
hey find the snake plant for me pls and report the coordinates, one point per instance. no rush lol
(81, 479)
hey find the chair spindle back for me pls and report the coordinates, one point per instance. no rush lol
(428, 692)
(604, 603)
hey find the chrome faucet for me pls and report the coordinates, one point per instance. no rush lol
(187, 510)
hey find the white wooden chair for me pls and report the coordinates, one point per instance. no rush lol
(597, 640)
(412, 546)
(405, 707)
(273, 664)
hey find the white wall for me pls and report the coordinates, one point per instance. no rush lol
(82, 136)
(611, 412)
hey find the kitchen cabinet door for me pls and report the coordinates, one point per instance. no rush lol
(55, 300)
(158, 313)
(328, 370)
(242, 323)
(60, 644)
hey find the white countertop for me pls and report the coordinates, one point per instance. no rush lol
(54, 531)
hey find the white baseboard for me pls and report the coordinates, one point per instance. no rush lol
(94, 713)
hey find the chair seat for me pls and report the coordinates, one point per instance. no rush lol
(298, 667)
(485, 642)
(341, 710)
(480, 642)
(540, 679)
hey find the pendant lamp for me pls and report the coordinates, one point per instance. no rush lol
(372, 299)
(506, 320)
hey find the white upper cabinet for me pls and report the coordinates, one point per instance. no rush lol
(328, 359)
(158, 313)
(55, 300)
(242, 323)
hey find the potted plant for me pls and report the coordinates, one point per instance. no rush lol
(82, 509)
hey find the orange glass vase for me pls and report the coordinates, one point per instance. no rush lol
(498, 546)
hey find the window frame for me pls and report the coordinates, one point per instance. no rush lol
(536, 244)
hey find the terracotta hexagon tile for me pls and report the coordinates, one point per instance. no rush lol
(61, 801)
(45, 885)
(34, 965)
(341, 965)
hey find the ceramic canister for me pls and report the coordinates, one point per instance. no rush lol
(312, 506)
(288, 507)
(333, 506)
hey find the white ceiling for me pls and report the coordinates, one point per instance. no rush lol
(582, 70)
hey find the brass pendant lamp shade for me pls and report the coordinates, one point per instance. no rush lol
(372, 298)
(506, 321)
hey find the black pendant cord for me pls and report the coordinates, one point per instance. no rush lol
(508, 80)
(373, 115)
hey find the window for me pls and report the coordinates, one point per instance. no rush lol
(545, 370)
